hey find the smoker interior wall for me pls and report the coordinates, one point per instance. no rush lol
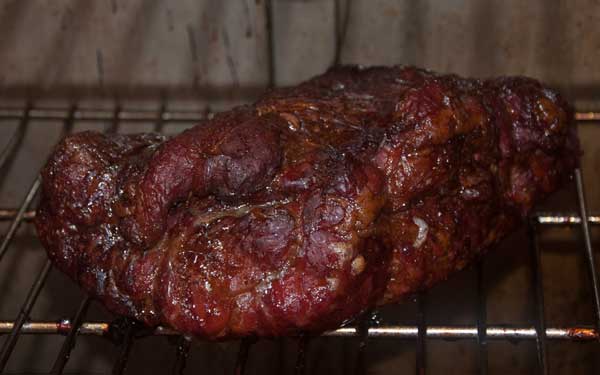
(138, 48)
(194, 53)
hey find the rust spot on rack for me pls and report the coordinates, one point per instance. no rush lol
(582, 333)
(587, 116)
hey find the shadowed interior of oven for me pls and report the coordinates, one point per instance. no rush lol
(530, 306)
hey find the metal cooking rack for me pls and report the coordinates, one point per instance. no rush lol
(420, 333)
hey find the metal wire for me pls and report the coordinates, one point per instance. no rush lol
(16, 137)
(171, 116)
(183, 350)
(421, 332)
(589, 251)
(10, 213)
(37, 286)
(470, 332)
(95, 115)
(481, 319)
(301, 357)
(242, 357)
(160, 122)
(20, 213)
(67, 346)
(576, 333)
(270, 43)
(363, 333)
(125, 349)
(540, 322)
(18, 218)
(341, 29)
(587, 116)
(113, 126)
(421, 335)
(557, 219)
(11, 341)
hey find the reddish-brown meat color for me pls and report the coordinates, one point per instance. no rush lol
(315, 203)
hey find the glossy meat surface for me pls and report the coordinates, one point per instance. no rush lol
(308, 207)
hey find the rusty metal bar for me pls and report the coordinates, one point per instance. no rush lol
(587, 116)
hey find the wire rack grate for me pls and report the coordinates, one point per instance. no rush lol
(420, 333)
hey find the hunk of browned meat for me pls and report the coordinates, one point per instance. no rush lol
(315, 203)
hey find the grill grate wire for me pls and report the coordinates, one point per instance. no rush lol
(365, 330)
(37, 286)
(481, 319)
(421, 359)
(69, 343)
(421, 332)
(540, 321)
(589, 251)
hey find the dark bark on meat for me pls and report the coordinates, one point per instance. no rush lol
(301, 211)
